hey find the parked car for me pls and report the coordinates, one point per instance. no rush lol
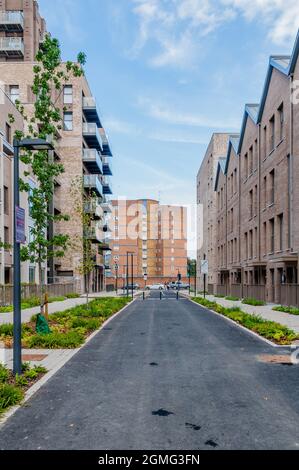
(129, 287)
(156, 287)
(178, 285)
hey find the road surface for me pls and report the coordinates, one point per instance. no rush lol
(164, 375)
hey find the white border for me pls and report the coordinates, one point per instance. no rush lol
(32, 390)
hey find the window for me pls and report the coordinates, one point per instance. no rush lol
(281, 121)
(272, 187)
(68, 121)
(246, 246)
(14, 92)
(250, 244)
(255, 155)
(250, 160)
(265, 142)
(272, 133)
(265, 192)
(6, 236)
(68, 94)
(235, 180)
(6, 200)
(250, 204)
(265, 237)
(8, 133)
(246, 165)
(280, 222)
(272, 235)
(256, 246)
(255, 201)
(31, 274)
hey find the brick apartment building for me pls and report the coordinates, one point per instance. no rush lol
(206, 202)
(155, 234)
(81, 146)
(257, 194)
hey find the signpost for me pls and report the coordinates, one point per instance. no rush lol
(116, 277)
(205, 272)
(145, 278)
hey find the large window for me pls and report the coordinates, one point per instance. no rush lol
(68, 121)
(8, 133)
(14, 92)
(280, 222)
(32, 275)
(6, 200)
(6, 236)
(272, 133)
(272, 235)
(272, 188)
(281, 121)
(68, 94)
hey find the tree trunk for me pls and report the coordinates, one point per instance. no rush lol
(41, 287)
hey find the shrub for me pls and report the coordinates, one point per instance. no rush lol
(232, 298)
(31, 374)
(56, 299)
(73, 296)
(7, 309)
(9, 396)
(254, 302)
(219, 296)
(291, 310)
(6, 329)
(268, 329)
(4, 374)
(21, 381)
(69, 340)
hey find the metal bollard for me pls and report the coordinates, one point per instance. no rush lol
(143, 295)
(177, 295)
(160, 295)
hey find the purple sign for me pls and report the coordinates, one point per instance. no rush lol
(20, 225)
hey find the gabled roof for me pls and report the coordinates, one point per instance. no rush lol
(233, 143)
(251, 110)
(220, 167)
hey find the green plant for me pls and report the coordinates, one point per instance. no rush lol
(69, 340)
(6, 329)
(56, 299)
(268, 329)
(254, 302)
(9, 396)
(290, 310)
(40, 369)
(21, 381)
(232, 298)
(219, 296)
(4, 374)
(30, 374)
(25, 366)
(73, 296)
(7, 309)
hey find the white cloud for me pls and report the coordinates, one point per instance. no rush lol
(162, 113)
(177, 137)
(121, 127)
(177, 26)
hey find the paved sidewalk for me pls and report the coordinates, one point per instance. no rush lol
(53, 307)
(48, 358)
(266, 312)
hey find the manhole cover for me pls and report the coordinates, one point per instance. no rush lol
(34, 357)
(275, 359)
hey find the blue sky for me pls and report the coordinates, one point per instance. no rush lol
(168, 73)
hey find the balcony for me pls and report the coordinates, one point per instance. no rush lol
(90, 110)
(11, 47)
(94, 234)
(107, 206)
(95, 209)
(92, 136)
(106, 146)
(92, 161)
(107, 187)
(93, 184)
(11, 21)
(107, 166)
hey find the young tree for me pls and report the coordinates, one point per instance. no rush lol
(49, 74)
(84, 204)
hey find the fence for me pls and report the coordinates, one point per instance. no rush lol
(257, 292)
(289, 295)
(222, 289)
(236, 290)
(27, 291)
(211, 289)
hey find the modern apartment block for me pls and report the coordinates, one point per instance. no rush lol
(257, 194)
(206, 203)
(21, 30)
(155, 234)
(81, 146)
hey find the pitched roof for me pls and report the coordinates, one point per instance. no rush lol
(233, 143)
(220, 167)
(251, 110)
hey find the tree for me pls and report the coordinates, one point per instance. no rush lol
(85, 206)
(191, 267)
(49, 74)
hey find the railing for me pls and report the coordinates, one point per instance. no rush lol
(91, 128)
(12, 44)
(12, 17)
(89, 102)
(32, 290)
(92, 156)
(257, 292)
(289, 295)
(94, 207)
(93, 182)
(94, 233)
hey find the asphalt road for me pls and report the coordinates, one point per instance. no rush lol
(164, 375)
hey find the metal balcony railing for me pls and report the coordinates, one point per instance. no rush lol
(94, 233)
(11, 21)
(92, 160)
(107, 165)
(11, 46)
(90, 110)
(92, 183)
(94, 208)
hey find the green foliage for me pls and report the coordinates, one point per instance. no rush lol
(253, 302)
(21, 381)
(69, 340)
(73, 296)
(9, 396)
(6, 329)
(31, 302)
(4, 374)
(268, 329)
(7, 309)
(219, 296)
(290, 310)
(232, 298)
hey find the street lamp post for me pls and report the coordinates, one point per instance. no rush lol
(29, 144)
(116, 277)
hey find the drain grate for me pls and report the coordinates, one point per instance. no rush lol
(275, 359)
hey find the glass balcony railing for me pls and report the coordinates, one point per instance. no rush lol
(93, 184)
(11, 46)
(107, 185)
(90, 110)
(11, 21)
(107, 165)
(91, 135)
(94, 233)
(92, 160)
(94, 208)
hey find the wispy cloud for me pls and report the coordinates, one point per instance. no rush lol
(121, 127)
(162, 112)
(177, 137)
(177, 27)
